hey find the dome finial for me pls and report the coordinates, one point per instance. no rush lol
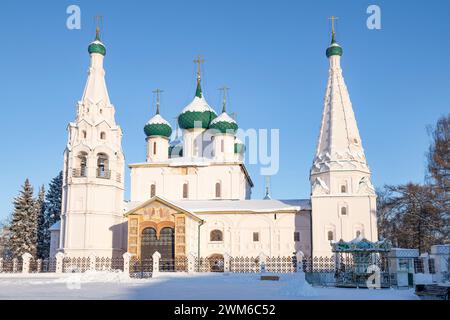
(333, 30)
(157, 91)
(97, 46)
(98, 19)
(199, 61)
(224, 89)
(334, 49)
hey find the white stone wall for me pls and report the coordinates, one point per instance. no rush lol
(201, 180)
(276, 234)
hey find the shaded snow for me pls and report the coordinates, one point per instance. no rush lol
(182, 286)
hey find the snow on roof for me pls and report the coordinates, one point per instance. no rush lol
(223, 117)
(157, 119)
(56, 226)
(256, 206)
(199, 105)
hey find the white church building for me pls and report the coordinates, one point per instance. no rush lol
(193, 194)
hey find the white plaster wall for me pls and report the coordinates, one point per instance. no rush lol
(202, 180)
(276, 235)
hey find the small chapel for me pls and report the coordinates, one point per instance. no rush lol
(192, 192)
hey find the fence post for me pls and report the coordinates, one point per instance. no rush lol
(1, 264)
(299, 256)
(15, 265)
(191, 262)
(92, 261)
(262, 262)
(156, 256)
(226, 262)
(39, 265)
(59, 262)
(26, 257)
(126, 262)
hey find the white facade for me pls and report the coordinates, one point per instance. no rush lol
(208, 188)
(342, 196)
(93, 186)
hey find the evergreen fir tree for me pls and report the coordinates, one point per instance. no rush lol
(23, 228)
(42, 229)
(53, 199)
(51, 215)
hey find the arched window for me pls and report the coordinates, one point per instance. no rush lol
(103, 166)
(344, 211)
(102, 135)
(82, 165)
(84, 134)
(216, 235)
(154, 147)
(330, 235)
(152, 190)
(222, 146)
(218, 190)
(185, 190)
(343, 188)
(358, 233)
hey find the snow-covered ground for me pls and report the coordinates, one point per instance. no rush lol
(179, 286)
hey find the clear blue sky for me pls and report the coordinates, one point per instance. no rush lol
(271, 55)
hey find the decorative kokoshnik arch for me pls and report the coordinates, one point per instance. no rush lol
(159, 215)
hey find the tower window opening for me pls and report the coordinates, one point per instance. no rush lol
(84, 134)
(103, 166)
(81, 170)
(344, 211)
(358, 233)
(152, 190)
(185, 190)
(330, 235)
(216, 235)
(255, 236)
(154, 148)
(218, 190)
(343, 188)
(296, 236)
(103, 135)
(222, 146)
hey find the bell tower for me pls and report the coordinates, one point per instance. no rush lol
(342, 196)
(93, 185)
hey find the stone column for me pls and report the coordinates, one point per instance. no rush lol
(226, 263)
(262, 262)
(126, 262)
(59, 262)
(39, 265)
(26, 257)
(92, 261)
(15, 265)
(156, 256)
(299, 256)
(191, 262)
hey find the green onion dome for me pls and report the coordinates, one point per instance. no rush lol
(158, 126)
(197, 114)
(224, 124)
(239, 146)
(334, 49)
(97, 46)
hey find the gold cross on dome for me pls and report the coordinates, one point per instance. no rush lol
(98, 21)
(199, 62)
(157, 91)
(333, 19)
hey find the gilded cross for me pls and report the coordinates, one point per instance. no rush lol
(224, 89)
(333, 19)
(199, 62)
(157, 92)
